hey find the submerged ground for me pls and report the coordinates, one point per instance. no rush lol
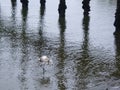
(85, 53)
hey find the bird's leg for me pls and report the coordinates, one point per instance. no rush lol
(43, 70)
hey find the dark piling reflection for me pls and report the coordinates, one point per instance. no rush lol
(42, 13)
(86, 20)
(117, 56)
(61, 54)
(13, 12)
(24, 13)
(13, 26)
(83, 59)
(24, 50)
(24, 3)
(86, 6)
(13, 17)
(13, 2)
(1, 23)
(62, 7)
(117, 39)
(42, 3)
(117, 19)
(41, 40)
(0, 16)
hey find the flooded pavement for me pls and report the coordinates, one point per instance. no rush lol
(85, 53)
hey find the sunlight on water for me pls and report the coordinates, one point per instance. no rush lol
(84, 51)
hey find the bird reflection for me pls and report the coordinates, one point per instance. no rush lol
(61, 54)
(44, 81)
(83, 60)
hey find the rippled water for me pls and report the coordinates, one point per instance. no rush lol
(84, 51)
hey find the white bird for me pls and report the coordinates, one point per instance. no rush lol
(45, 60)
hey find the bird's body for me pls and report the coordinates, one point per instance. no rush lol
(45, 60)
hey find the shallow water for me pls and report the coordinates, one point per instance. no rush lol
(84, 51)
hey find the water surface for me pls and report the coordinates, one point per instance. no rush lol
(84, 51)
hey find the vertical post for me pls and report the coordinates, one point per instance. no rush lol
(42, 2)
(62, 7)
(117, 19)
(13, 2)
(24, 3)
(86, 6)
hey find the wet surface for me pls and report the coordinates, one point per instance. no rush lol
(85, 53)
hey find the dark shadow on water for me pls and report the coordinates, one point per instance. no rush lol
(61, 55)
(83, 60)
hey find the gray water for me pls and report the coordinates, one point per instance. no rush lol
(85, 53)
